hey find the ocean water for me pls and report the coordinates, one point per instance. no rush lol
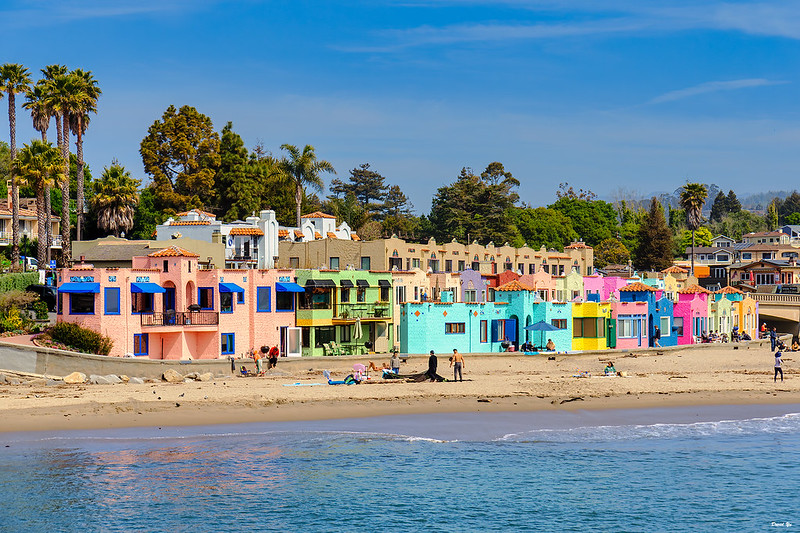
(681, 469)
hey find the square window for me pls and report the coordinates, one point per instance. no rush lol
(294, 262)
(334, 263)
(228, 343)
(81, 304)
(365, 263)
(205, 297)
(141, 302)
(284, 301)
(263, 299)
(111, 300)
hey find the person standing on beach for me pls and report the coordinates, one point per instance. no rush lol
(457, 362)
(257, 359)
(394, 362)
(433, 365)
(778, 367)
(657, 337)
(773, 338)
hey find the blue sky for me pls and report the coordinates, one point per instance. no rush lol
(630, 97)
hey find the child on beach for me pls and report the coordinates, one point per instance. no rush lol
(258, 361)
(778, 367)
(609, 370)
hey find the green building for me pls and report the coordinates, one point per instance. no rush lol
(345, 311)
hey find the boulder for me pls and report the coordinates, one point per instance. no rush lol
(36, 382)
(94, 379)
(137, 381)
(112, 378)
(171, 376)
(192, 375)
(75, 378)
(208, 376)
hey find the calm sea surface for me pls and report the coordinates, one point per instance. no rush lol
(683, 469)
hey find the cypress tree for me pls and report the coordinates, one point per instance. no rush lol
(654, 249)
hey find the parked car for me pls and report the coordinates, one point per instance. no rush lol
(46, 293)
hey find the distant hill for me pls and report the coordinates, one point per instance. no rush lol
(752, 201)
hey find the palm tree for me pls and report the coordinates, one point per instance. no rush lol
(85, 102)
(116, 195)
(693, 196)
(63, 97)
(14, 78)
(50, 72)
(303, 170)
(39, 164)
(36, 103)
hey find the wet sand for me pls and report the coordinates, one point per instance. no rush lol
(717, 375)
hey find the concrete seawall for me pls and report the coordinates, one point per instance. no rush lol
(52, 362)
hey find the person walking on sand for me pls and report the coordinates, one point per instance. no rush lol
(457, 362)
(773, 338)
(778, 367)
(433, 365)
(657, 337)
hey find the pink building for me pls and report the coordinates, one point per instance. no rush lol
(166, 308)
(605, 286)
(691, 313)
(542, 282)
(632, 318)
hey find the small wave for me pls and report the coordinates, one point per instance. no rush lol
(788, 423)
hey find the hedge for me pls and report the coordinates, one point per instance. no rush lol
(81, 339)
(18, 281)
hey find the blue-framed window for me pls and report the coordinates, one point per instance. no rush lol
(228, 343)
(141, 344)
(263, 299)
(239, 297)
(81, 304)
(111, 300)
(205, 297)
(142, 303)
(225, 302)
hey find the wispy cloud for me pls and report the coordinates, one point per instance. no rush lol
(585, 18)
(713, 87)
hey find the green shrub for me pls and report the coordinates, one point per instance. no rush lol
(41, 310)
(18, 281)
(81, 339)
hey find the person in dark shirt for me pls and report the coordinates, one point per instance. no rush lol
(433, 364)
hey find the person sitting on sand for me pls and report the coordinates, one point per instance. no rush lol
(609, 370)
(551, 346)
(745, 336)
(371, 366)
(735, 334)
(795, 346)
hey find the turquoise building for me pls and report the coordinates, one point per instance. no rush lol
(443, 326)
(526, 308)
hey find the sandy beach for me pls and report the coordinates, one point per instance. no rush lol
(503, 382)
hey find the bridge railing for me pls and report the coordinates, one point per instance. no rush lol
(776, 298)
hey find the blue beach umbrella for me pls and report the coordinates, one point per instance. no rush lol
(541, 326)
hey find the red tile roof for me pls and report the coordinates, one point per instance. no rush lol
(283, 233)
(317, 235)
(190, 223)
(513, 285)
(694, 289)
(354, 236)
(728, 290)
(637, 287)
(173, 251)
(675, 269)
(318, 214)
(246, 231)
(576, 245)
(332, 235)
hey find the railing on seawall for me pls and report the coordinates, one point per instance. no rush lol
(776, 298)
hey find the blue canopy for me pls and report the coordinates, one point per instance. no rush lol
(230, 287)
(541, 326)
(147, 288)
(80, 288)
(289, 287)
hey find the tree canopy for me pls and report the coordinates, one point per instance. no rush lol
(181, 153)
(654, 242)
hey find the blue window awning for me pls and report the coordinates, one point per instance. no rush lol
(289, 287)
(230, 287)
(147, 288)
(80, 288)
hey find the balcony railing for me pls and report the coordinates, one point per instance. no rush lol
(362, 310)
(181, 318)
(6, 236)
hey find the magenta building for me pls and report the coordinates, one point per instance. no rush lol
(165, 307)
(691, 313)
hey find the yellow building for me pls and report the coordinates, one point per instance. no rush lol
(591, 325)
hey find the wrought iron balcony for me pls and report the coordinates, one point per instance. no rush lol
(181, 318)
(362, 310)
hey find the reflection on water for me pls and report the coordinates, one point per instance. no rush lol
(601, 479)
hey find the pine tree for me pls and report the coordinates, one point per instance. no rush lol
(734, 205)
(719, 208)
(654, 250)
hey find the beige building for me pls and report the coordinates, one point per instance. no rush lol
(28, 222)
(114, 252)
(396, 254)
